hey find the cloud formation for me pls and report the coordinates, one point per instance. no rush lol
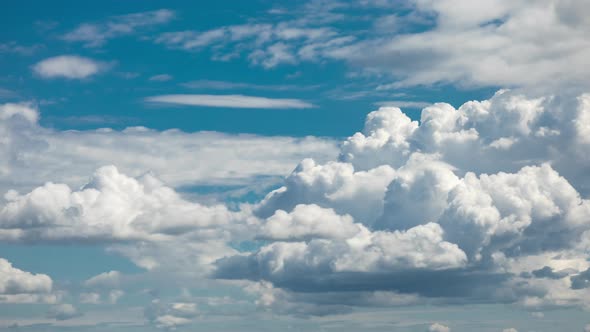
(97, 34)
(482, 198)
(18, 286)
(229, 101)
(68, 66)
(180, 159)
(413, 43)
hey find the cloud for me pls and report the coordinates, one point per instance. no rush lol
(510, 330)
(437, 327)
(403, 188)
(97, 34)
(229, 101)
(405, 205)
(68, 66)
(15, 281)
(63, 312)
(111, 279)
(501, 46)
(182, 160)
(18, 286)
(161, 78)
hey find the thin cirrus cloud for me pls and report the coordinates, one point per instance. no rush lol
(98, 33)
(68, 66)
(231, 101)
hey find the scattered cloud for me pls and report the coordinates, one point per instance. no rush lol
(68, 66)
(229, 101)
(97, 34)
(13, 47)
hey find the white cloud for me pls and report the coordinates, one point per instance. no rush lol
(32, 155)
(437, 327)
(68, 66)
(14, 281)
(97, 34)
(501, 44)
(161, 78)
(229, 101)
(484, 197)
(510, 330)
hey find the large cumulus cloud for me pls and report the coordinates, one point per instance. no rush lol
(481, 197)
(481, 203)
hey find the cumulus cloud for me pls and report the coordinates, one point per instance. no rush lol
(511, 223)
(20, 286)
(229, 101)
(406, 205)
(68, 66)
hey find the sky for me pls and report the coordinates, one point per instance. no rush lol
(323, 165)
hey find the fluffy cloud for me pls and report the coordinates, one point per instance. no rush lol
(21, 286)
(32, 155)
(68, 66)
(444, 199)
(112, 206)
(483, 197)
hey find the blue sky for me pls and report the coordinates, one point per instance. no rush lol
(379, 165)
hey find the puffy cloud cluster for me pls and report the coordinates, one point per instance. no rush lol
(476, 204)
(484, 197)
(18, 286)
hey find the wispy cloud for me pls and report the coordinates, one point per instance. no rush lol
(231, 101)
(13, 47)
(97, 34)
(68, 66)
(161, 78)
